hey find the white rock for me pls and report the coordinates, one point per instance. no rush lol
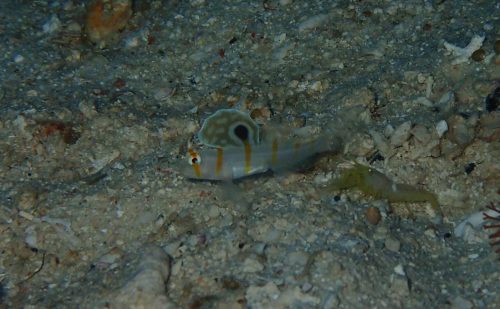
(163, 93)
(279, 39)
(31, 238)
(251, 265)
(399, 270)
(147, 288)
(392, 244)
(381, 143)
(473, 256)
(388, 130)
(441, 128)
(18, 58)
(312, 22)
(103, 160)
(429, 85)
(322, 178)
(447, 99)
(424, 101)
(52, 25)
(401, 134)
(132, 42)
(473, 235)
(475, 220)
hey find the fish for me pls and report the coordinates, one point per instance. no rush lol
(378, 185)
(231, 163)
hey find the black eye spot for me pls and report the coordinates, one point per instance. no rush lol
(241, 132)
(194, 160)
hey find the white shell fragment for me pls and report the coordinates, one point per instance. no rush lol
(399, 270)
(463, 54)
(476, 220)
(312, 22)
(441, 128)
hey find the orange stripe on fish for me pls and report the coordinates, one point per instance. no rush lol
(218, 164)
(248, 157)
(197, 170)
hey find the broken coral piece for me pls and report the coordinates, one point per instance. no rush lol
(105, 18)
(463, 54)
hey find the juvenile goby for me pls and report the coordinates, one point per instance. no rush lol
(230, 163)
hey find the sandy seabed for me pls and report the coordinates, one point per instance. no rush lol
(94, 121)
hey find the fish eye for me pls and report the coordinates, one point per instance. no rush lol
(194, 158)
(241, 132)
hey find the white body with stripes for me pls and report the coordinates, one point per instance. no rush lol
(235, 162)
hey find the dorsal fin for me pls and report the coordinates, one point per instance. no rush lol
(229, 127)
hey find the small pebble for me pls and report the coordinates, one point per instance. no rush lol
(399, 270)
(250, 266)
(306, 287)
(373, 215)
(28, 200)
(18, 58)
(401, 134)
(132, 42)
(74, 27)
(430, 233)
(52, 25)
(31, 237)
(461, 132)
(424, 101)
(163, 93)
(441, 128)
(392, 244)
(312, 22)
(478, 55)
(473, 256)
(388, 130)
(32, 93)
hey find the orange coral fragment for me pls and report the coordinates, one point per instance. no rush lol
(105, 18)
(65, 130)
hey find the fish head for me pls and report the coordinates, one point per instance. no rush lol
(202, 165)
